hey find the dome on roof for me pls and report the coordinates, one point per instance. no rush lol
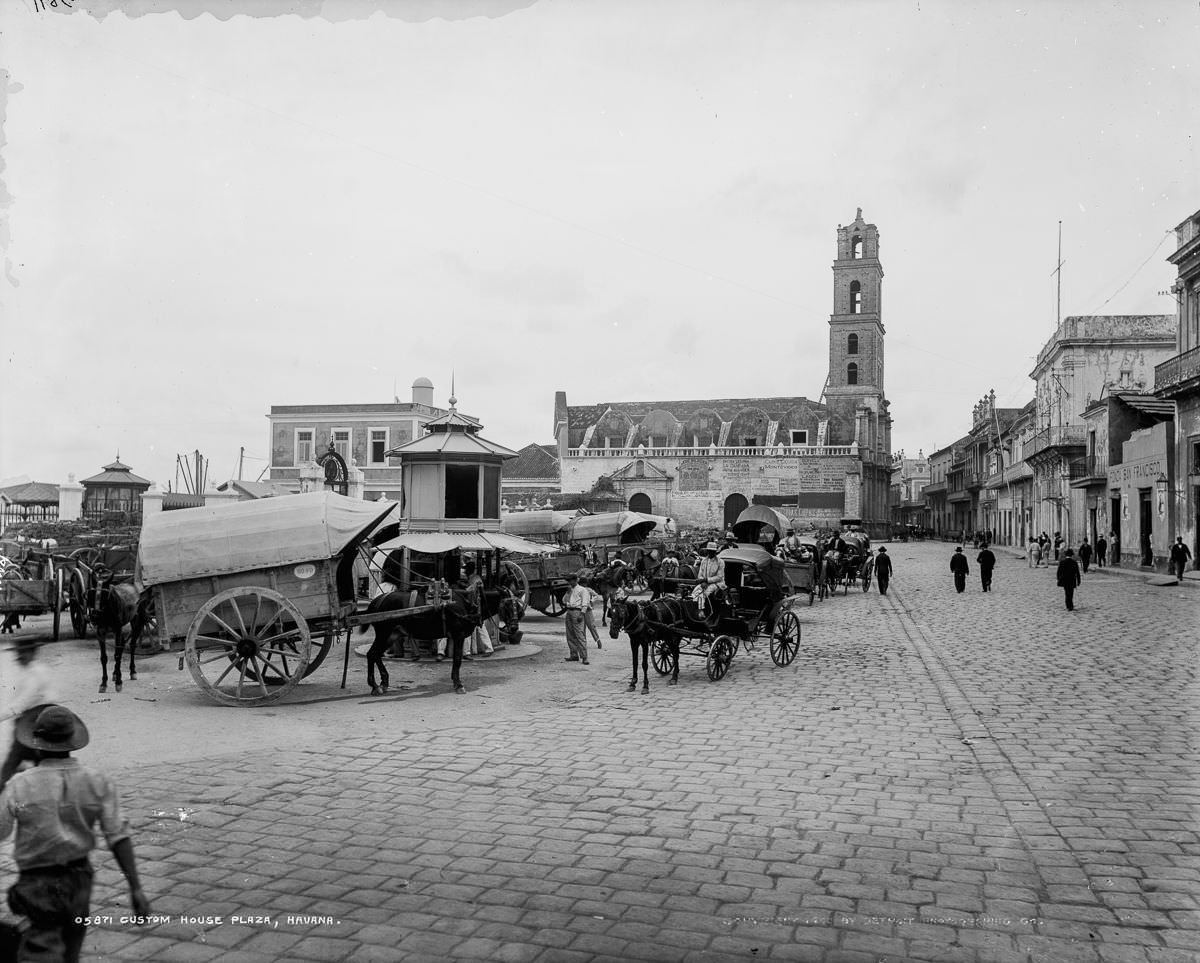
(422, 383)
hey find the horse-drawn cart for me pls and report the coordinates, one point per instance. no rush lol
(32, 586)
(257, 591)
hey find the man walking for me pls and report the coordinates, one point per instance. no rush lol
(987, 561)
(34, 689)
(1068, 577)
(960, 568)
(883, 570)
(574, 601)
(1085, 555)
(1180, 554)
(55, 809)
(1101, 552)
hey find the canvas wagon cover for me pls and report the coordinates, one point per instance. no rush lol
(608, 525)
(264, 533)
(544, 522)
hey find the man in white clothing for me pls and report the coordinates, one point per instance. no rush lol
(711, 575)
(34, 689)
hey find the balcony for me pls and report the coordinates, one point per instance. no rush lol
(785, 451)
(934, 488)
(1178, 375)
(1049, 439)
(1089, 471)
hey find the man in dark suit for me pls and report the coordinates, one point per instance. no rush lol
(987, 561)
(883, 570)
(960, 568)
(1069, 577)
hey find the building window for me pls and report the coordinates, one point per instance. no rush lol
(1195, 467)
(851, 373)
(639, 470)
(379, 445)
(855, 297)
(341, 443)
(304, 445)
(852, 344)
(702, 441)
(750, 442)
(799, 437)
(856, 247)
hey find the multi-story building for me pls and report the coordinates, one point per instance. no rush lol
(1087, 358)
(909, 478)
(1177, 380)
(362, 434)
(703, 461)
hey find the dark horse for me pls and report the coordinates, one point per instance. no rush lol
(112, 606)
(665, 581)
(457, 616)
(608, 580)
(637, 619)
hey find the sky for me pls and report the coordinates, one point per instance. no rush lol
(624, 201)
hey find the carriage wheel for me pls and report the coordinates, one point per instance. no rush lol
(866, 582)
(660, 657)
(517, 574)
(248, 646)
(316, 656)
(785, 640)
(720, 654)
(77, 604)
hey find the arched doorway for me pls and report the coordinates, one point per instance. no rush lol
(640, 503)
(735, 504)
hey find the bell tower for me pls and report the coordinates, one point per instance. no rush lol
(854, 387)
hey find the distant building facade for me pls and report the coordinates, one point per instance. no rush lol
(1177, 380)
(362, 434)
(702, 462)
(528, 481)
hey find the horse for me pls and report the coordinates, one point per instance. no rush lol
(664, 584)
(635, 619)
(113, 606)
(829, 573)
(606, 580)
(455, 618)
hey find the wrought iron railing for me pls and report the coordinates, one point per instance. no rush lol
(1177, 370)
(1060, 436)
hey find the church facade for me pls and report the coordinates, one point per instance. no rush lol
(702, 462)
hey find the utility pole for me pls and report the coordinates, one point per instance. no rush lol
(1058, 273)
(241, 456)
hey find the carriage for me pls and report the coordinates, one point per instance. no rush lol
(757, 607)
(543, 578)
(766, 527)
(257, 591)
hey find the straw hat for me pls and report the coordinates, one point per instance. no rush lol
(53, 729)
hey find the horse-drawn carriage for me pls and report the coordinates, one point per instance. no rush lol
(766, 527)
(756, 606)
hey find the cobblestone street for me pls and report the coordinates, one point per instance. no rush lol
(976, 777)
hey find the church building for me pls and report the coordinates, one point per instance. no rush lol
(702, 462)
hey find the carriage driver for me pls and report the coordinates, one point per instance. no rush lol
(711, 575)
(791, 544)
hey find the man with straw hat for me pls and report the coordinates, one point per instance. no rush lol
(54, 809)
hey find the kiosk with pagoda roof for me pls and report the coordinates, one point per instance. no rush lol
(115, 494)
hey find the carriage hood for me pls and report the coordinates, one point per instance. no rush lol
(265, 533)
(544, 523)
(757, 517)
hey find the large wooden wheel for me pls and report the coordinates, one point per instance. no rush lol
(58, 600)
(785, 639)
(248, 646)
(661, 658)
(77, 603)
(514, 571)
